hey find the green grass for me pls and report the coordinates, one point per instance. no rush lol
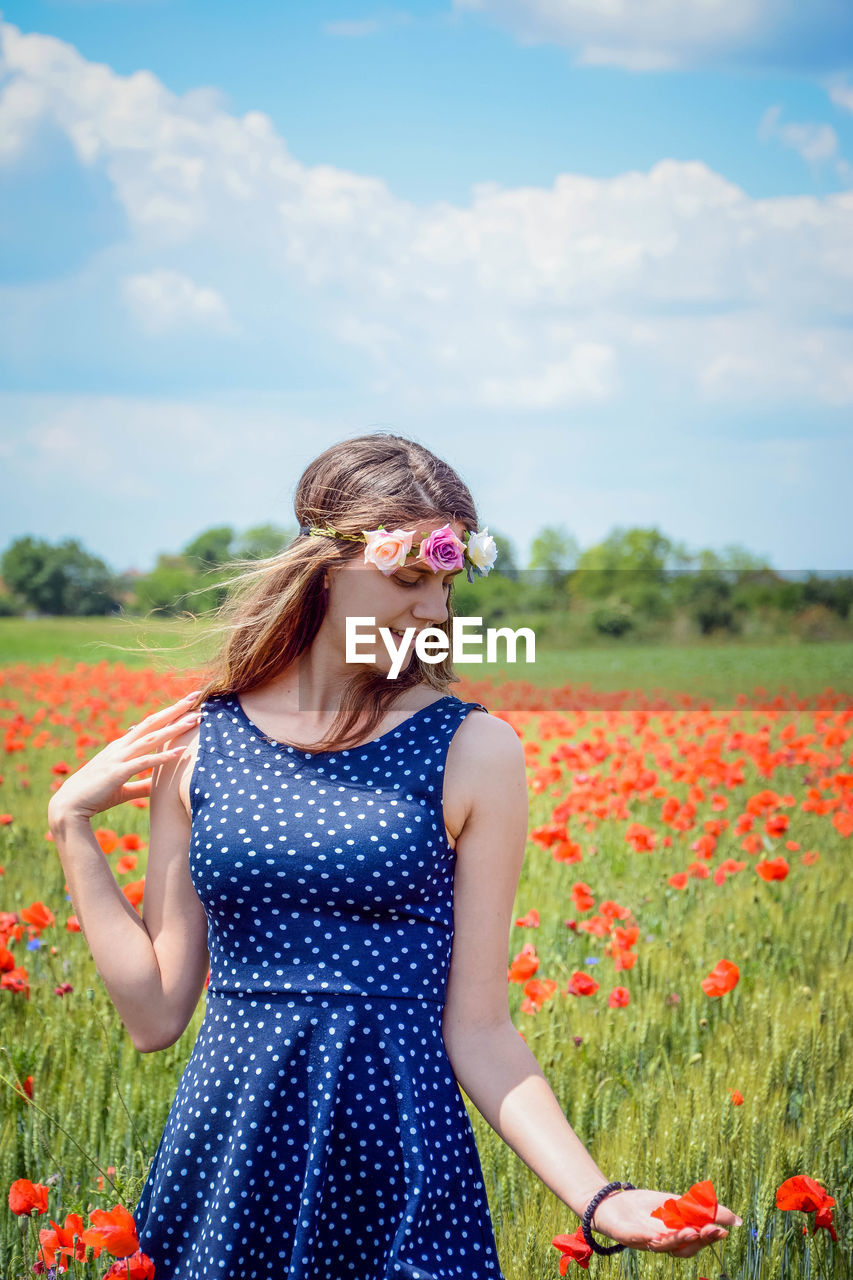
(708, 669)
(67, 641)
(647, 1089)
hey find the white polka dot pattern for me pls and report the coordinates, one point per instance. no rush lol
(318, 1128)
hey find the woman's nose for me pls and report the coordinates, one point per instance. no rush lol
(431, 606)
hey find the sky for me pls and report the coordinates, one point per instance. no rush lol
(598, 257)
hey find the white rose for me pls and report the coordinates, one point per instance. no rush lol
(482, 550)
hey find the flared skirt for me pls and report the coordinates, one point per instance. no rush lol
(317, 1134)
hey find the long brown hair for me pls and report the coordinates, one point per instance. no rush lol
(276, 605)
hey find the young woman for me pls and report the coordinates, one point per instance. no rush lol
(342, 850)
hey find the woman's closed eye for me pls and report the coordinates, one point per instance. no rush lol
(407, 582)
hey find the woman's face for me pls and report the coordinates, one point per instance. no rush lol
(413, 596)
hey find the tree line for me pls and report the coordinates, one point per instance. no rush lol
(636, 582)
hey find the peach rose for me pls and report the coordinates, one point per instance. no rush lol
(387, 551)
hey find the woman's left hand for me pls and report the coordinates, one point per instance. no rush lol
(625, 1216)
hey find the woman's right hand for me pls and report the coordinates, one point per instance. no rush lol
(626, 1216)
(103, 781)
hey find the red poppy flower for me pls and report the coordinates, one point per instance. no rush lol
(61, 1240)
(772, 868)
(722, 978)
(581, 984)
(843, 823)
(134, 891)
(695, 1208)
(106, 838)
(24, 1196)
(536, 992)
(114, 1230)
(573, 1249)
(26, 1087)
(524, 964)
(16, 980)
(619, 997)
(598, 925)
(613, 911)
(567, 851)
(137, 1267)
(582, 899)
(804, 1193)
(641, 838)
(777, 824)
(38, 915)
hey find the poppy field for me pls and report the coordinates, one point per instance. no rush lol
(679, 964)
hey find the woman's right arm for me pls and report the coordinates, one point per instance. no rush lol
(153, 966)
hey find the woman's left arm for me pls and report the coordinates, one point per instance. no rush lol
(491, 1061)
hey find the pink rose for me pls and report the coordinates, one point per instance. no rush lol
(443, 550)
(387, 551)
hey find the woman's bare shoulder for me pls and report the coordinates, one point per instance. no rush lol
(485, 742)
(486, 758)
(491, 735)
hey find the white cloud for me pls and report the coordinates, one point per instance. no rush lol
(112, 470)
(537, 297)
(639, 35)
(660, 35)
(629, 59)
(137, 475)
(354, 28)
(586, 374)
(816, 364)
(816, 142)
(163, 300)
(841, 94)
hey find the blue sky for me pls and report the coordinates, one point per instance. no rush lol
(601, 263)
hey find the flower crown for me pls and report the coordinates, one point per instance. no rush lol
(441, 550)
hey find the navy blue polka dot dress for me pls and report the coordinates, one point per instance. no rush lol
(318, 1128)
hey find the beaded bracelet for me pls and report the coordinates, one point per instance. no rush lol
(590, 1210)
